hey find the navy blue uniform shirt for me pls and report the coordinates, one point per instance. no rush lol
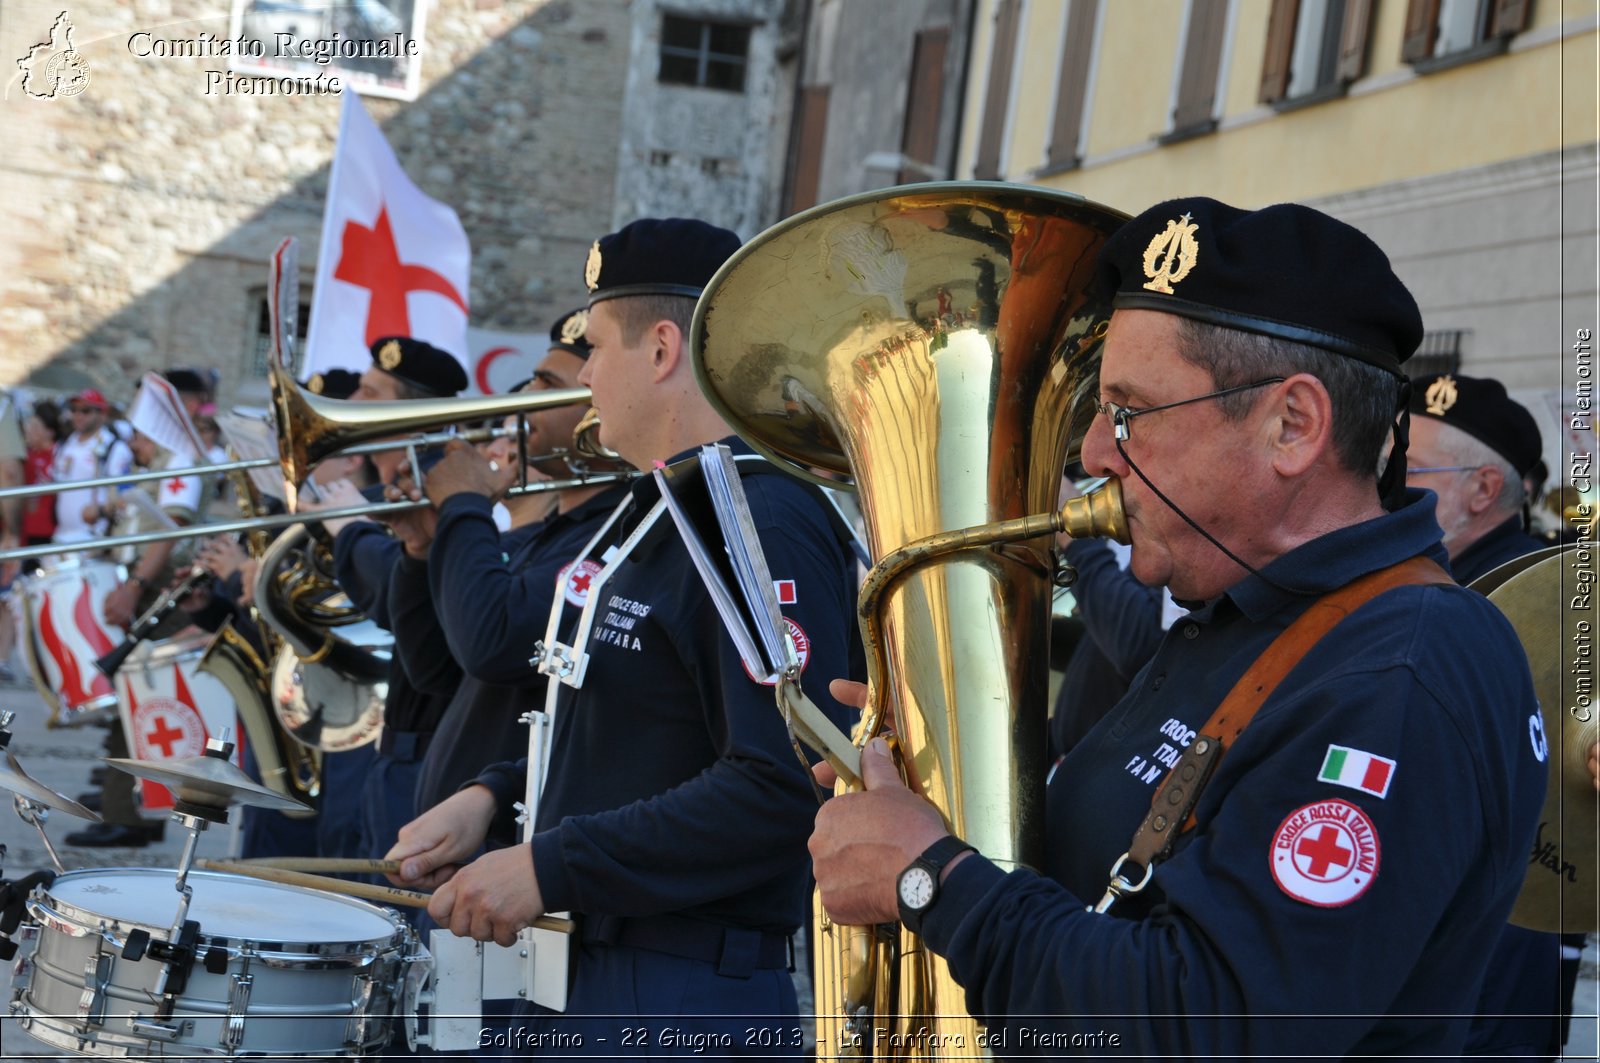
(673, 785)
(1505, 542)
(1301, 915)
(478, 605)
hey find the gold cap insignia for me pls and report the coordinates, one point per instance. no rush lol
(1441, 395)
(389, 355)
(315, 384)
(575, 327)
(1171, 254)
(591, 268)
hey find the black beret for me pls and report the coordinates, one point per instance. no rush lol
(186, 380)
(571, 333)
(1481, 408)
(422, 365)
(1287, 271)
(657, 256)
(334, 383)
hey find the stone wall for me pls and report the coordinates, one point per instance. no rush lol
(140, 213)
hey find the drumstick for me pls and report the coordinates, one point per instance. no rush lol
(324, 864)
(403, 898)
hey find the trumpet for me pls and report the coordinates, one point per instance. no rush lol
(311, 428)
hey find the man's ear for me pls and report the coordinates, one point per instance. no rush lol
(1485, 486)
(666, 353)
(1302, 425)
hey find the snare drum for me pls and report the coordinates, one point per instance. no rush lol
(281, 971)
(64, 614)
(170, 707)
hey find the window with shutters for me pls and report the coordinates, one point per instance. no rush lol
(1440, 34)
(919, 137)
(1194, 110)
(1072, 87)
(997, 93)
(1315, 48)
(706, 54)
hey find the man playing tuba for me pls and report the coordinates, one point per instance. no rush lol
(1367, 830)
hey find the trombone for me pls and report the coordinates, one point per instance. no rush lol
(311, 428)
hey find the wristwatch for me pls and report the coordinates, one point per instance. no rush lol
(918, 886)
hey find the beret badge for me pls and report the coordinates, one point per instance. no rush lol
(389, 355)
(1171, 254)
(577, 324)
(316, 384)
(1441, 395)
(591, 268)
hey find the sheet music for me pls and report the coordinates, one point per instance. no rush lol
(158, 412)
(735, 619)
(249, 438)
(744, 551)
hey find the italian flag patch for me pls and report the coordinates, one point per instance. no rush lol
(1358, 770)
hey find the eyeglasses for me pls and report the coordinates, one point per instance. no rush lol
(1121, 415)
(1442, 468)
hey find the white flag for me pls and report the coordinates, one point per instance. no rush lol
(393, 262)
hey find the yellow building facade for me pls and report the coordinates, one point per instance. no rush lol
(1460, 134)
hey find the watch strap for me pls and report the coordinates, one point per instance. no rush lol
(933, 860)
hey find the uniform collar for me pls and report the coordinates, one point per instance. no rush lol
(1330, 561)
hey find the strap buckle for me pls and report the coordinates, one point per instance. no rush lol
(1119, 886)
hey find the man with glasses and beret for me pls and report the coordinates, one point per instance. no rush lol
(673, 820)
(1474, 447)
(1364, 829)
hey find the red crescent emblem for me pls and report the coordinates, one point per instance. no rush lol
(481, 373)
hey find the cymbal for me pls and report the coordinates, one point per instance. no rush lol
(211, 782)
(1557, 623)
(19, 782)
(1492, 580)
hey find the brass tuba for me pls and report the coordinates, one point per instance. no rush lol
(938, 344)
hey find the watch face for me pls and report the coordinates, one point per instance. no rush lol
(916, 888)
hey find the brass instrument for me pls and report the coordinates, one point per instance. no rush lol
(938, 344)
(287, 768)
(328, 679)
(311, 428)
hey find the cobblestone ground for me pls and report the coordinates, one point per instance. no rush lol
(62, 759)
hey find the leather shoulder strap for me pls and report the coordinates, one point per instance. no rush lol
(1176, 797)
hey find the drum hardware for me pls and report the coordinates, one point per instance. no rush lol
(236, 985)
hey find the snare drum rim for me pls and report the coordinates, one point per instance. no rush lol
(75, 920)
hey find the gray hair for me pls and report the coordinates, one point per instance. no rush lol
(1365, 398)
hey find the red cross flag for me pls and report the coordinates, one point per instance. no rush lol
(392, 262)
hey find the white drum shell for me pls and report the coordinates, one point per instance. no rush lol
(60, 652)
(331, 993)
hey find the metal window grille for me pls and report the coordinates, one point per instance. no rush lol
(710, 55)
(261, 352)
(1439, 352)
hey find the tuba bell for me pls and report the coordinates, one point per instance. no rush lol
(937, 344)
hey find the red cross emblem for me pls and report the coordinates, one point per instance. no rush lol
(368, 258)
(575, 581)
(163, 736)
(1316, 856)
(1325, 853)
(175, 485)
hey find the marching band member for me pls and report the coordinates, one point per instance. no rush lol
(673, 820)
(464, 585)
(1366, 833)
(1472, 445)
(365, 554)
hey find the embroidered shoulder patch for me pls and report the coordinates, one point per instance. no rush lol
(1358, 770)
(1325, 853)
